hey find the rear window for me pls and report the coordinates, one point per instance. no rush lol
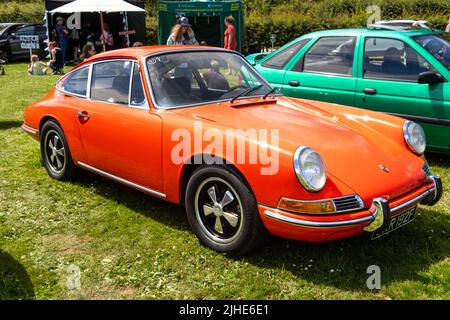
(75, 82)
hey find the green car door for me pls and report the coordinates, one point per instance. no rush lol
(388, 81)
(325, 70)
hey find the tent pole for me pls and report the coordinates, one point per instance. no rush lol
(103, 32)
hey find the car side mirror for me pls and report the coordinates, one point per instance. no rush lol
(429, 77)
(12, 35)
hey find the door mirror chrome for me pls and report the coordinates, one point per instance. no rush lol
(430, 77)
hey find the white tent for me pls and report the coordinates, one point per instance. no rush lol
(99, 6)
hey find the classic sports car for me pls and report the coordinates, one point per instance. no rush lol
(400, 72)
(171, 122)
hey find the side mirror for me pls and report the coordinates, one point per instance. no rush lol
(12, 35)
(429, 77)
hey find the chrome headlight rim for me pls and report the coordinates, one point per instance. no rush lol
(408, 138)
(299, 170)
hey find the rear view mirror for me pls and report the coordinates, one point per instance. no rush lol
(430, 77)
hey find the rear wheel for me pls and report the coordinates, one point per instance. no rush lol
(55, 152)
(222, 211)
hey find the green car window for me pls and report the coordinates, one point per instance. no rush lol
(330, 55)
(438, 46)
(280, 59)
(391, 59)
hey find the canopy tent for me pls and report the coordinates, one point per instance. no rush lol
(103, 6)
(98, 6)
(207, 19)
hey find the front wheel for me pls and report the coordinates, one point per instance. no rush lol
(222, 211)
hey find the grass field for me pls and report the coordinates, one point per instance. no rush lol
(129, 245)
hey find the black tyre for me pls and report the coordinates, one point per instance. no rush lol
(222, 211)
(55, 152)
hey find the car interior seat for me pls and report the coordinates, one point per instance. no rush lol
(392, 64)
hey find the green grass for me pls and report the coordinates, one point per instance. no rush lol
(130, 245)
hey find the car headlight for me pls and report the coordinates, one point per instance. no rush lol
(310, 169)
(414, 137)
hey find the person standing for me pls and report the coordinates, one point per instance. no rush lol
(107, 37)
(229, 40)
(230, 34)
(182, 34)
(62, 36)
(447, 29)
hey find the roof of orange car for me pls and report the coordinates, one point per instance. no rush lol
(139, 52)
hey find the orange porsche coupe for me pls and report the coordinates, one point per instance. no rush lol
(199, 126)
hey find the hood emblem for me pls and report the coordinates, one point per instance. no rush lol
(384, 168)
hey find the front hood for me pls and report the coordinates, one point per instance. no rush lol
(353, 151)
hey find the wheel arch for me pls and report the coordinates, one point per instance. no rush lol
(190, 166)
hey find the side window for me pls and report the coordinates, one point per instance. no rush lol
(111, 81)
(279, 60)
(330, 55)
(26, 31)
(137, 91)
(75, 82)
(391, 59)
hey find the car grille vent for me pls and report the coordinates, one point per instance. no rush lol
(348, 203)
(426, 169)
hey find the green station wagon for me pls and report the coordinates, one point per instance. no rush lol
(401, 72)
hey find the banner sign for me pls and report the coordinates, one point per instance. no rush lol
(196, 6)
(124, 33)
(29, 42)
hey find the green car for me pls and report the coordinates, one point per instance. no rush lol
(401, 72)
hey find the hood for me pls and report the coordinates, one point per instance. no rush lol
(354, 144)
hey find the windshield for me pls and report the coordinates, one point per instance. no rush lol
(197, 77)
(3, 27)
(438, 46)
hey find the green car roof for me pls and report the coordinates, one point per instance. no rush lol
(378, 32)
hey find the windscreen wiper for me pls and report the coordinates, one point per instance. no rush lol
(271, 91)
(246, 91)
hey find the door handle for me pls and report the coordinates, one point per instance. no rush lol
(294, 83)
(83, 115)
(370, 91)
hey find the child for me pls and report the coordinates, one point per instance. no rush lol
(37, 67)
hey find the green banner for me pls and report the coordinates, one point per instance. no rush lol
(199, 6)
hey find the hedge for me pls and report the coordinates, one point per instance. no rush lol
(287, 19)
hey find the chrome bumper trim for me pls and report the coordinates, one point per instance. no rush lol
(336, 224)
(31, 131)
(315, 224)
(412, 201)
(120, 180)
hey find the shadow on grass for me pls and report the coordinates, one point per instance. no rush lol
(15, 283)
(401, 255)
(5, 125)
(169, 214)
(438, 159)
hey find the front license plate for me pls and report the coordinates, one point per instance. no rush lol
(396, 222)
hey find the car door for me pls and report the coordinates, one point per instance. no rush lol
(120, 135)
(389, 83)
(15, 43)
(326, 71)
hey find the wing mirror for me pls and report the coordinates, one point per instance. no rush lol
(429, 77)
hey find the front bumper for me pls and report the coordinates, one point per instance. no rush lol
(339, 226)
